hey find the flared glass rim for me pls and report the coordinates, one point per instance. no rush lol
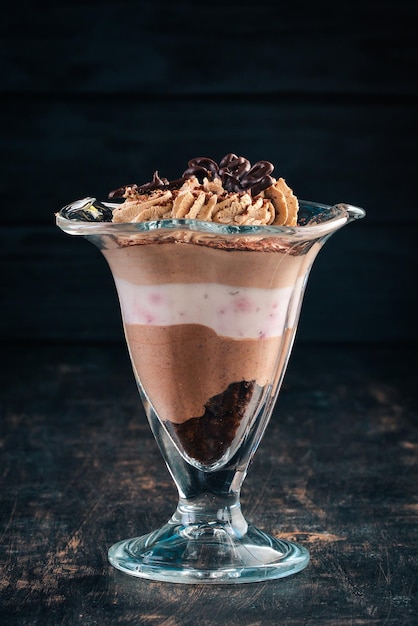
(331, 218)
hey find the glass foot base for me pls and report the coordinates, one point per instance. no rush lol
(208, 553)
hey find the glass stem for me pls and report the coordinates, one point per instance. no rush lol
(210, 513)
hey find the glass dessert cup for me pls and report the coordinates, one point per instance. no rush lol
(210, 314)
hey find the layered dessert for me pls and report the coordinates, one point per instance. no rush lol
(208, 313)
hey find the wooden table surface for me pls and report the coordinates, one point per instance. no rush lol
(337, 470)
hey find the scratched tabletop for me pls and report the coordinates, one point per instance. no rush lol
(337, 471)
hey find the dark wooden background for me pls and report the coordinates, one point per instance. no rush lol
(97, 94)
(94, 95)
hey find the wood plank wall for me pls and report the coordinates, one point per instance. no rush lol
(94, 95)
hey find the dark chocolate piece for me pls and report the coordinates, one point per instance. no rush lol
(236, 173)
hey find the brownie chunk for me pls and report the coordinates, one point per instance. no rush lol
(208, 437)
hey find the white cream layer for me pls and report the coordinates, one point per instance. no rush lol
(236, 312)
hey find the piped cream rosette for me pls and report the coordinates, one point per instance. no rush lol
(277, 205)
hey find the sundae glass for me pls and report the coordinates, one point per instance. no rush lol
(210, 309)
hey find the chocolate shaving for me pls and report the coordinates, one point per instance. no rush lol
(120, 191)
(235, 172)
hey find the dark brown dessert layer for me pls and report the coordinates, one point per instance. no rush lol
(208, 437)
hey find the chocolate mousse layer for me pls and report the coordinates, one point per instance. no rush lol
(247, 262)
(180, 367)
